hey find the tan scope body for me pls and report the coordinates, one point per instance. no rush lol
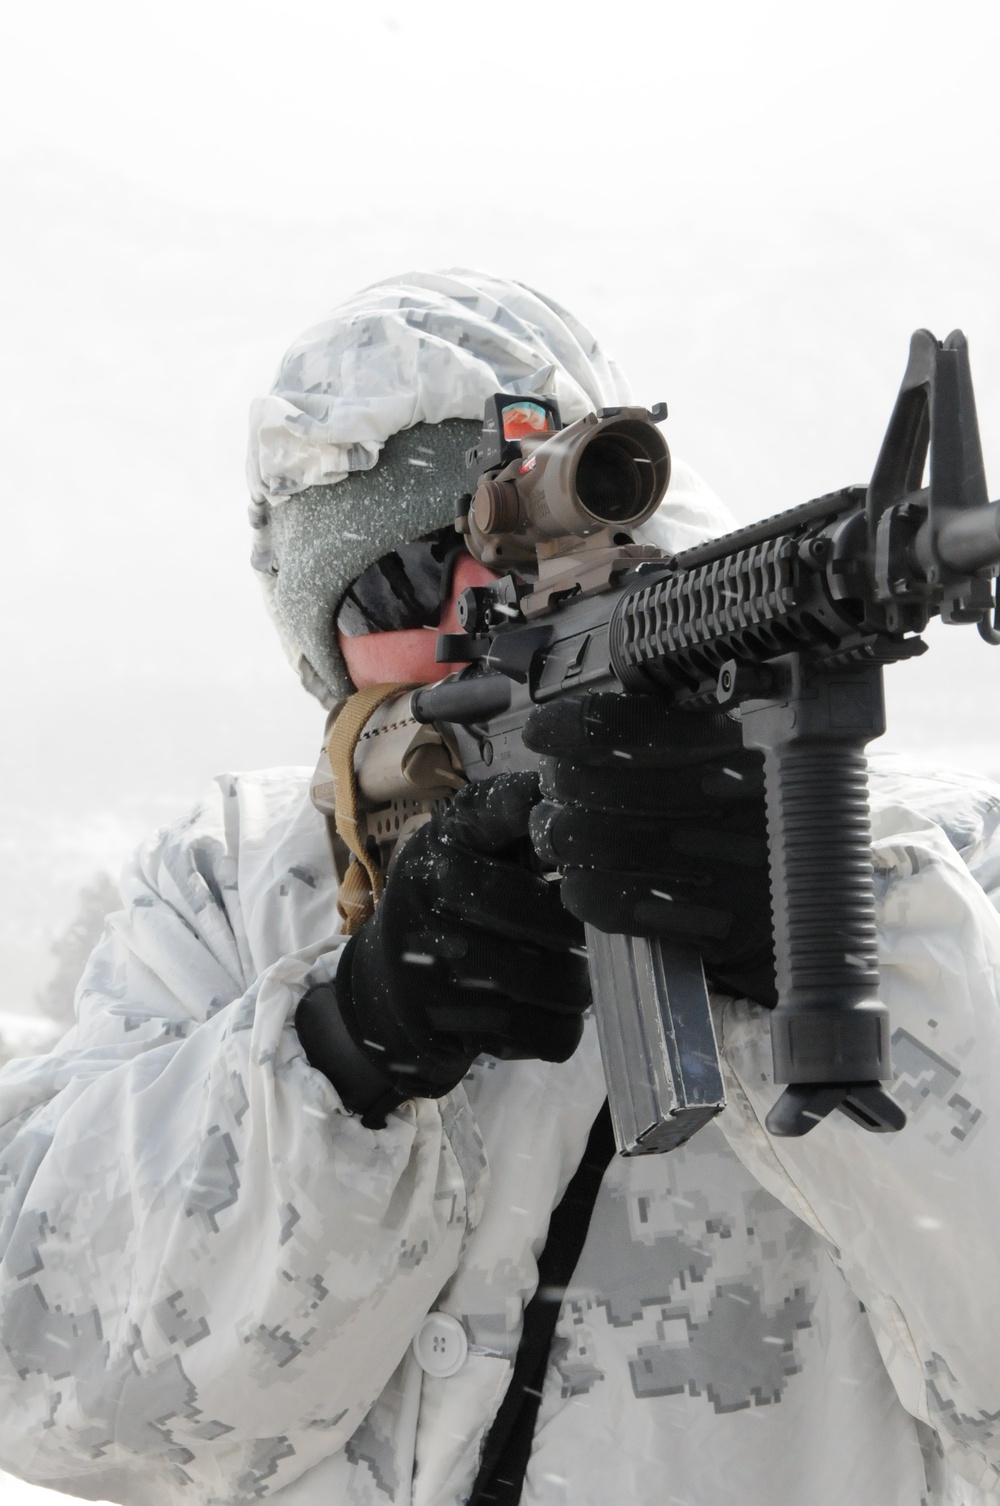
(597, 475)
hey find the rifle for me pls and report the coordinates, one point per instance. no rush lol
(786, 624)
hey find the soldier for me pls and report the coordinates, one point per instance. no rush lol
(275, 1210)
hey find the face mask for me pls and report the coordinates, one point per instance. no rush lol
(406, 588)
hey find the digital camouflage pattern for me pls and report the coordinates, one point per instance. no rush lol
(416, 349)
(211, 1273)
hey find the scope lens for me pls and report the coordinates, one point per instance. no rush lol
(611, 482)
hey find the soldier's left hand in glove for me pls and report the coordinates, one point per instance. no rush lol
(469, 951)
(656, 817)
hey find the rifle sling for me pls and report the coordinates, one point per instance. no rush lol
(508, 1444)
(363, 882)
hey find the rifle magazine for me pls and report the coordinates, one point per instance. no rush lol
(658, 1045)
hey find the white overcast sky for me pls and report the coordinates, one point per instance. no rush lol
(753, 205)
(330, 110)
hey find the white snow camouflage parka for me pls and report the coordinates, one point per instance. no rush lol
(211, 1274)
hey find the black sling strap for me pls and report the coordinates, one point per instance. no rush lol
(508, 1445)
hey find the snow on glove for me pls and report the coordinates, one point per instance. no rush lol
(469, 951)
(656, 817)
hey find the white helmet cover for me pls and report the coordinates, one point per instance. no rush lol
(419, 349)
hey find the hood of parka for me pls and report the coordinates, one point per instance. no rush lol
(360, 443)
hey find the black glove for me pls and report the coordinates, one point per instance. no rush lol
(656, 817)
(469, 951)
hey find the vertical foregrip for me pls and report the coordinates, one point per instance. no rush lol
(829, 1025)
(824, 905)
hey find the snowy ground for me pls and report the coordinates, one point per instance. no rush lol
(25, 1035)
(17, 1493)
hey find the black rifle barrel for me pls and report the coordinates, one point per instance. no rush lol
(967, 540)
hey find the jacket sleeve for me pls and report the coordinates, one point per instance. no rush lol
(209, 1269)
(913, 1219)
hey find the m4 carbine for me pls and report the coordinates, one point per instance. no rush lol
(787, 624)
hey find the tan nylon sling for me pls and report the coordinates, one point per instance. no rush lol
(364, 880)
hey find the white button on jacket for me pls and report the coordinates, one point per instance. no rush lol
(440, 1345)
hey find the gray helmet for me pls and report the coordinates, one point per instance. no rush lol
(360, 444)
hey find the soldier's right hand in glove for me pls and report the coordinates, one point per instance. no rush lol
(656, 817)
(469, 951)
